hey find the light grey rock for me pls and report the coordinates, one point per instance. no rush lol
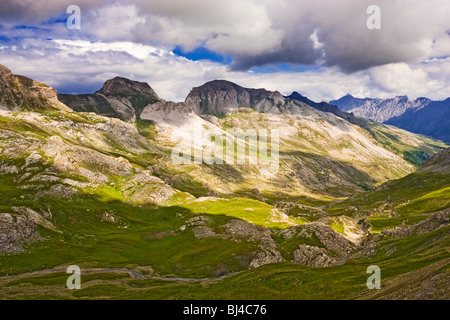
(312, 256)
(15, 231)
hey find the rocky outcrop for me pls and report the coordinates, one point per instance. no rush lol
(36, 217)
(19, 93)
(15, 231)
(240, 230)
(220, 96)
(312, 256)
(20, 228)
(439, 162)
(433, 222)
(203, 232)
(333, 249)
(346, 226)
(331, 239)
(118, 98)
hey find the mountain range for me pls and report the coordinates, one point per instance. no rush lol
(422, 115)
(90, 180)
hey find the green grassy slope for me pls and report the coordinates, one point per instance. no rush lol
(106, 168)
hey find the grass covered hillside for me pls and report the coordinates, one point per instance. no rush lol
(81, 188)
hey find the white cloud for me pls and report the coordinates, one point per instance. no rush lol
(258, 32)
(134, 39)
(82, 66)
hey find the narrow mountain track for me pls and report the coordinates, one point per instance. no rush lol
(133, 273)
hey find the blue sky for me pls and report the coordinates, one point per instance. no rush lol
(322, 50)
(202, 53)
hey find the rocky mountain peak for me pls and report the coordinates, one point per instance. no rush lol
(380, 110)
(322, 106)
(124, 86)
(296, 95)
(5, 73)
(403, 99)
(221, 96)
(22, 93)
(349, 102)
(217, 85)
(422, 99)
(118, 98)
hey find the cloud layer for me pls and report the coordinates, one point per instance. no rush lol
(409, 55)
(79, 66)
(256, 33)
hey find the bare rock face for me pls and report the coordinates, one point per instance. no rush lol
(439, 162)
(168, 113)
(433, 222)
(9, 98)
(266, 256)
(220, 96)
(323, 106)
(15, 230)
(5, 73)
(18, 93)
(380, 110)
(312, 256)
(108, 217)
(19, 228)
(125, 86)
(331, 239)
(240, 230)
(203, 232)
(333, 250)
(118, 98)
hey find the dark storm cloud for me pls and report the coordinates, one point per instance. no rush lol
(256, 33)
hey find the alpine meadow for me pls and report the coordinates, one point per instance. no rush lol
(210, 150)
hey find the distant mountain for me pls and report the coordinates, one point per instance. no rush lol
(379, 110)
(422, 115)
(348, 102)
(119, 98)
(322, 106)
(432, 120)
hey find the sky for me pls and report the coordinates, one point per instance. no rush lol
(321, 49)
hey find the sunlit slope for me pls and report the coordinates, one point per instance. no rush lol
(403, 201)
(321, 156)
